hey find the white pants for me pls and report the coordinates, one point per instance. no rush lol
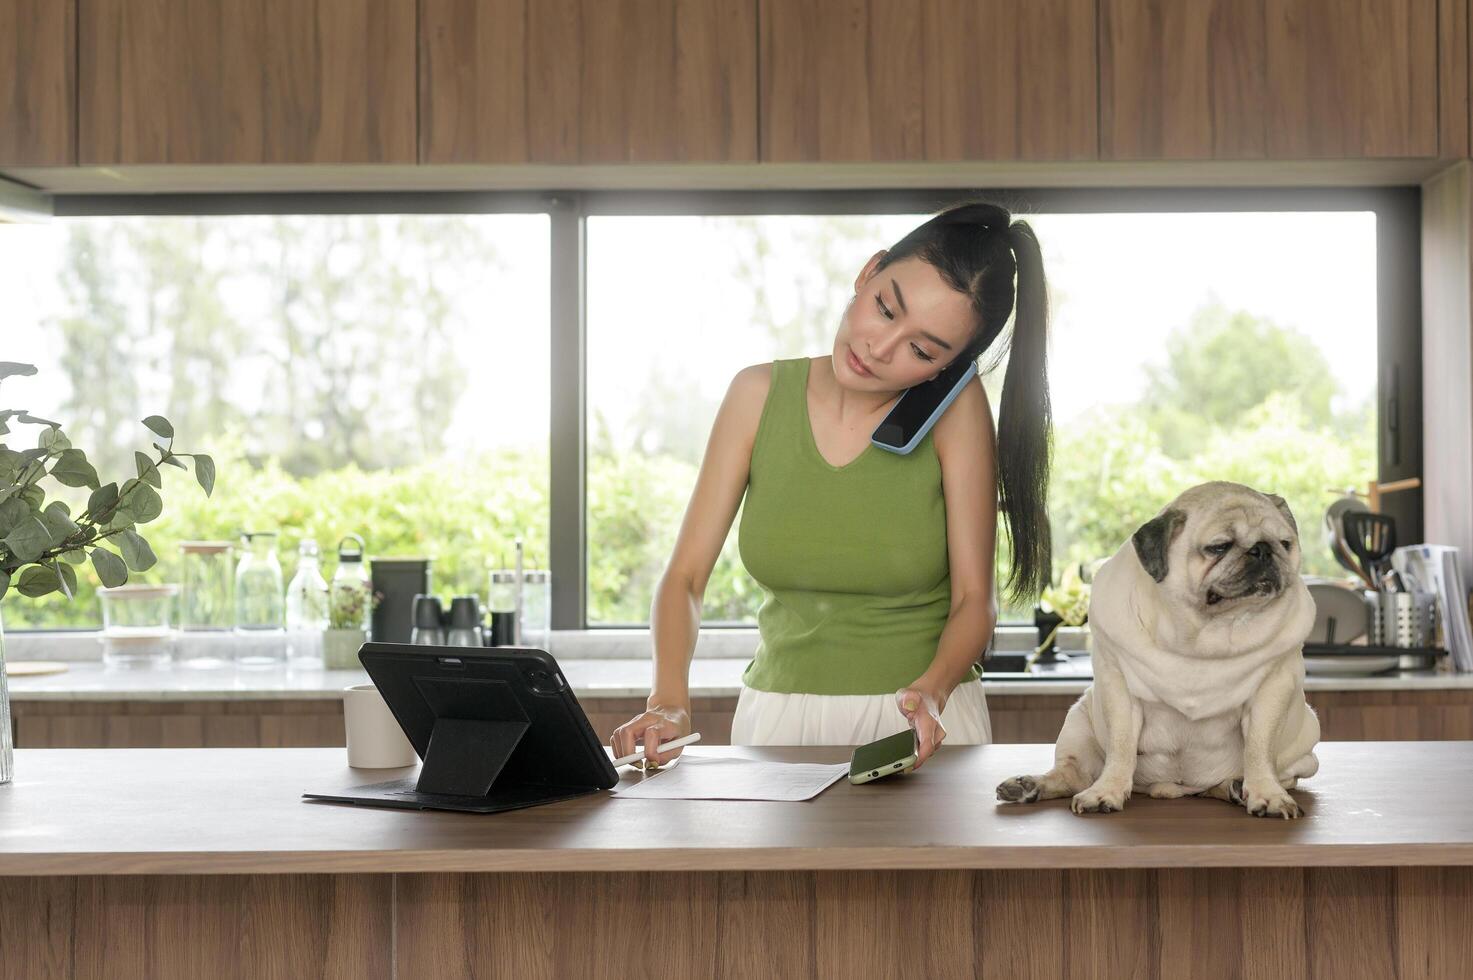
(770, 718)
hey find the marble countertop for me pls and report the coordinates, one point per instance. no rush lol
(595, 678)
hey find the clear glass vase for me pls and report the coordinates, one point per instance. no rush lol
(7, 756)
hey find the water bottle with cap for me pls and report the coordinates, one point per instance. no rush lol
(350, 604)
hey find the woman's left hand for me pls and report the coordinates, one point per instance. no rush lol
(922, 707)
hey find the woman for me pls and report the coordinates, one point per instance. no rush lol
(876, 568)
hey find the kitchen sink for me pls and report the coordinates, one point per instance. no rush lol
(1013, 667)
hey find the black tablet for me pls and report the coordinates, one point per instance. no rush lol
(496, 728)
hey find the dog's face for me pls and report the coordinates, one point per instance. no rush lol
(1221, 547)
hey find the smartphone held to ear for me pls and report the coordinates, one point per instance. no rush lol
(919, 408)
(890, 755)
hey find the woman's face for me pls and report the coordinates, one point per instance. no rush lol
(904, 325)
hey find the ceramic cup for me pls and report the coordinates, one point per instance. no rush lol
(375, 740)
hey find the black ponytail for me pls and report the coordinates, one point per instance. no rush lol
(978, 250)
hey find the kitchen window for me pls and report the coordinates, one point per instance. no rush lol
(384, 374)
(447, 372)
(1186, 345)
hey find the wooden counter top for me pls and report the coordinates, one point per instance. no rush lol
(230, 811)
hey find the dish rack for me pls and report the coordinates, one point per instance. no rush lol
(1369, 658)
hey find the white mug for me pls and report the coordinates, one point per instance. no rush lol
(375, 740)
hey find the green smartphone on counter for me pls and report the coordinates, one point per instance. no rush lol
(890, 755)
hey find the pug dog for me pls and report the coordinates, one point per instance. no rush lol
(1197, 623)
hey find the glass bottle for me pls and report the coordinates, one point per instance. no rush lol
(260, 627)
(306, 607)
(351, 601)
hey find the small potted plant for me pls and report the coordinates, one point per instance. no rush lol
(347, 611)
(1065, 604)
(41, 543)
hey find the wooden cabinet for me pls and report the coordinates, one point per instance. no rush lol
(183, 82)
(38, 83)
(248, 82)
(1275, 79)
(877, 80)
(1411, 714)
(1182, 80)
(1351, 80)
(588, 81)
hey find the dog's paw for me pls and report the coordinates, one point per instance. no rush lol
(1019, 789)
(1268, 801)
(1100, 799)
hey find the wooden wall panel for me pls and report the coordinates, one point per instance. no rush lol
(1182, 81)
(766, 926)
(1106, 923)
(552, 926)
(178, 724)
(39, 916)
(1453, 78)
(1351, 79)
(264, 82)
(1281, 79)
(243, 926)
(1166, 923)
(38, 83)
(873, 80)
(588, 81)
(711, 716)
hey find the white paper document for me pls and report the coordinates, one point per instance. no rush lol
(702, 778)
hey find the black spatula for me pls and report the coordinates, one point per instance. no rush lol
(1372, 539)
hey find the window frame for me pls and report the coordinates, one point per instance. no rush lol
(1398, 295)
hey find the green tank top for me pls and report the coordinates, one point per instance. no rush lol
(852, 560)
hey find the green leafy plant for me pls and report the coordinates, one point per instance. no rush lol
(1069, 600)
(346, 606)
(41, 542)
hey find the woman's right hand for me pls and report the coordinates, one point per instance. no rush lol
(659, 723)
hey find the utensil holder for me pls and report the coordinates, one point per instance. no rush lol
(1406, 619)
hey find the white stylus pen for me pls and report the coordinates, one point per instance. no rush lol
(664, 746)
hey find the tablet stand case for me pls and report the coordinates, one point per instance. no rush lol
(473, 763)
(466, 756)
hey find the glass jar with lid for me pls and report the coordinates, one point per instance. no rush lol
(206, 604)
(207, 585)
(137, 610)
(501, 604)
(136, 625)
